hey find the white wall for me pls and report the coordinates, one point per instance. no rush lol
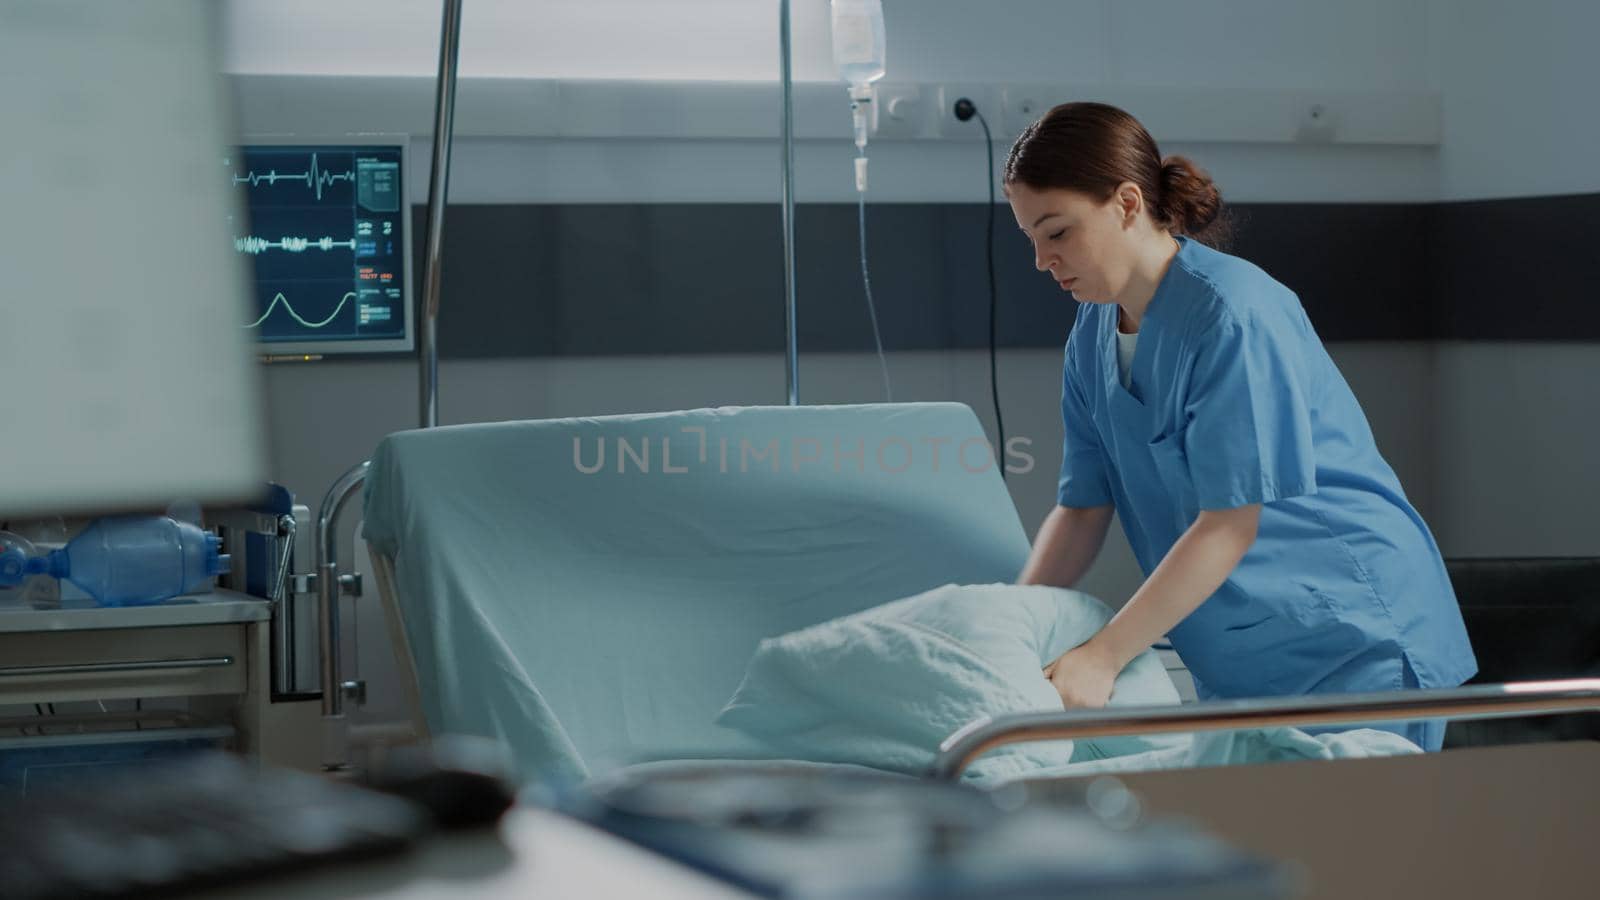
(1247, 45)
(1517, 425)
(1232, 43)
(1519, 103)
(1518, 437)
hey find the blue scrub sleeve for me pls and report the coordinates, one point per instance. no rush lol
(1249, 434)
(1083, 482)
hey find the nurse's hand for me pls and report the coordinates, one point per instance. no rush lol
(1083, 676)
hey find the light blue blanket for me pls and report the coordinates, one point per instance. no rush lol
(1229, 748)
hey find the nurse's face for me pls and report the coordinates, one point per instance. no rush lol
(1086, 245)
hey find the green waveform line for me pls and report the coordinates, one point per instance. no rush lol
(286, 305)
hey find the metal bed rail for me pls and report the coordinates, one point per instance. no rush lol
(1489, 701)
(328, 585)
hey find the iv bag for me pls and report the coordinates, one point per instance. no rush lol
(858, 40)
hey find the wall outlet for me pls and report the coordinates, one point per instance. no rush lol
(902, 111)
(985, 97)
(1318, 123)
(1021, 107)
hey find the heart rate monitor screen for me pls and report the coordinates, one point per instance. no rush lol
(325, 238)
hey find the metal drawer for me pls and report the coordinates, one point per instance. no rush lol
(112, 664)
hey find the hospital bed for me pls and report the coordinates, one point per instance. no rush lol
(590, 590)
(594, 619)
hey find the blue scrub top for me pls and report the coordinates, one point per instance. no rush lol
(1235, 401)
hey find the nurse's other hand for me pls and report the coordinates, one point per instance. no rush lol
(1083, 676)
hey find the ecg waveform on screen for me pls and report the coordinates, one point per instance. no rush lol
(254, 245)
(296, 316)
(314, 177)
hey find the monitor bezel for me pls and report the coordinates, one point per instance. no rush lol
(278, 350)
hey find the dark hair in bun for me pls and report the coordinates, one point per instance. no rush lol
(1092, 148)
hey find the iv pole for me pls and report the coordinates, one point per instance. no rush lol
(791, 344)
(438, 189)
(329, 585)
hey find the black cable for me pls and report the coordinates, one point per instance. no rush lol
(964, 110)
(994, 378)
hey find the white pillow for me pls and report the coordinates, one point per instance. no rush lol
(885, 686)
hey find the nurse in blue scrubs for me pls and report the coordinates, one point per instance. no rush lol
(1281, 555)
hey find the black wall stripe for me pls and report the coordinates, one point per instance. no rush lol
(1515, 269)
(618, 279)
(1362, 270)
